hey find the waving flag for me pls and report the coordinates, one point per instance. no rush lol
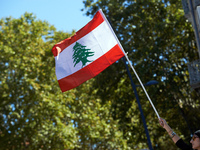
(83, 56)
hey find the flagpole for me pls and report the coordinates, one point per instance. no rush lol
(139, 105)
(130, 64)
(142, 86)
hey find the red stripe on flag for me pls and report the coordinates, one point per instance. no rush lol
(91, 70)
(95, 22)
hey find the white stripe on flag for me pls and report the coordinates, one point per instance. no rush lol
(100, 41)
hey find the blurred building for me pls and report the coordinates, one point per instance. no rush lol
(192, 13)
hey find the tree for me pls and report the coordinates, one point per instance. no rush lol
(160, 43)
(33, 112)
(81, 54)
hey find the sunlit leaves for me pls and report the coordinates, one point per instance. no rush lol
(32, 115)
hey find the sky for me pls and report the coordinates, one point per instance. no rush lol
(65, 15)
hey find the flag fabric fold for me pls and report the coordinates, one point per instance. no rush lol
(83, 56)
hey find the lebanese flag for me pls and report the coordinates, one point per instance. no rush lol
(83, 56)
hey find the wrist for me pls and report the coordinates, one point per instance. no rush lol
(169, 131)
(172, 134)
(168, 128)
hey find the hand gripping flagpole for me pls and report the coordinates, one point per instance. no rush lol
(130, 64)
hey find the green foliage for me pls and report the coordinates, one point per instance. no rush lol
(33, 112)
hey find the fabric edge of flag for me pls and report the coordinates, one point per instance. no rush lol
(95, 22)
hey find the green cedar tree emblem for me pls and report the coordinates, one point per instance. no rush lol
(81, 54)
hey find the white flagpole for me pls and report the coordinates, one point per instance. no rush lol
(130, 64)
